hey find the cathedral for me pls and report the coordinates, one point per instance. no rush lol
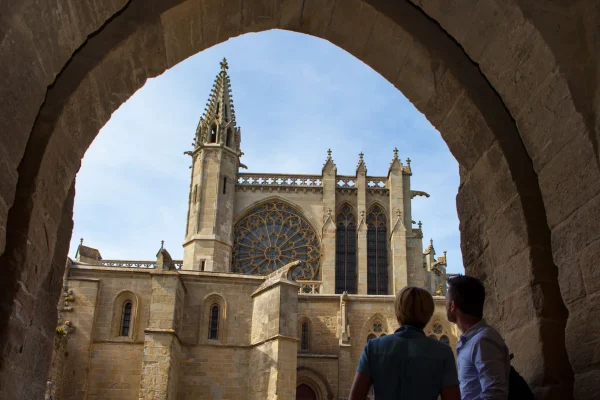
(284, 279)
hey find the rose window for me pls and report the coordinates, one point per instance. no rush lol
(273, 235)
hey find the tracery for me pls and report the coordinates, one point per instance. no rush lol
(273, 235)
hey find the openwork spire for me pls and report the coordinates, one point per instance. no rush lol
(217, 124)
(220, 102)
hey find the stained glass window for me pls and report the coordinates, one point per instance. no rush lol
(272, 235)
(377, 273)
(126, 321)
(213, 329)
(345, 251)
(304, 337)
(371, 336)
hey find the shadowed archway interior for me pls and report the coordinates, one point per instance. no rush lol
(516, 106)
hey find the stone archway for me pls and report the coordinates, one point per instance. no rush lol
(517, 108)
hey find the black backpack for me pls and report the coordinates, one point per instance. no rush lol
(518, 389)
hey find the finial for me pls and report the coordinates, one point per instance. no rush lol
(445, 253)
(431, 242)
(329, 154)
(81, 242)
(162, 244)
(361, 156)
(395, 153)
(224, 65)
(408, 162)
(420, 224)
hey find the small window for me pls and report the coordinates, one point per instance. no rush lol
(225, 185)
(126, 320)
(304, 337)
(202, 265)
(213, 329)
(444, 339)
(213, 134)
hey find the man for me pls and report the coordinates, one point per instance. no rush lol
(482, 356)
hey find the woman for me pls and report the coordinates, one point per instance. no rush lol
(407, 365)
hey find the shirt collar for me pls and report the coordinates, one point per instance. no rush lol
(409, 329)
(472, 331)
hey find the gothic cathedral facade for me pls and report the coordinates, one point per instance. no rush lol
(284, 279)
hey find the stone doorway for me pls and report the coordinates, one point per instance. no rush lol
(304, 392)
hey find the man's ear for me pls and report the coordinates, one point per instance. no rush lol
(452, 306)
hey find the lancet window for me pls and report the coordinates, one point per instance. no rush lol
(345, 254)
(213, 329)
(126, 319)
(304, 337)
(377, 251)
(272, 235)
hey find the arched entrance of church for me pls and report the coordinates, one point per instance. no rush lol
(514, 104)
(305, 392)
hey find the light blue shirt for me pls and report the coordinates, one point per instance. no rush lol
(483, 364)
(408, 365)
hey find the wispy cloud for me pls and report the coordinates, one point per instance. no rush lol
(296, 96)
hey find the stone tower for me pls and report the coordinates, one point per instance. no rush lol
(215, 162)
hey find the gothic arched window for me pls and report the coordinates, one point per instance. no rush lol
(213, 134)
(345, 251)
(377, 263)
(213, 329)
(437, 331)
(304, 337)
(273, 235)
(126, 319)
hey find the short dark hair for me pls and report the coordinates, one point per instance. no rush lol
(468, 293)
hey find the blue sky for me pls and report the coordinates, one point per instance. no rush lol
(295, 96)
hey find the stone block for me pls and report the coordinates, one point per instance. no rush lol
(466, 132)
(590, 271)
(387, 47)
(569, 180)
(260, 15)
(316, 17)
(220, 21)
(576, 232)
(581, 324)
(351, 24)
(549, 121)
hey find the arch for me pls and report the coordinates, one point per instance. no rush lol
(212, 133)
(377, 250)
(439, 327)
(123, 316)
(315, 380)
(455, 66)
(376, 326)
(346, 264)
(209, 331)
(271, 235)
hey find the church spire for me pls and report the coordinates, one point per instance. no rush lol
(217, 124)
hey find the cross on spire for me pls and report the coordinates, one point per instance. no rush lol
(395, 152)
(329, 154)
(162, 244)
(224, 65)
(408, 162)
(361, 156)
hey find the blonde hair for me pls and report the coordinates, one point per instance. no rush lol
(414, 306)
